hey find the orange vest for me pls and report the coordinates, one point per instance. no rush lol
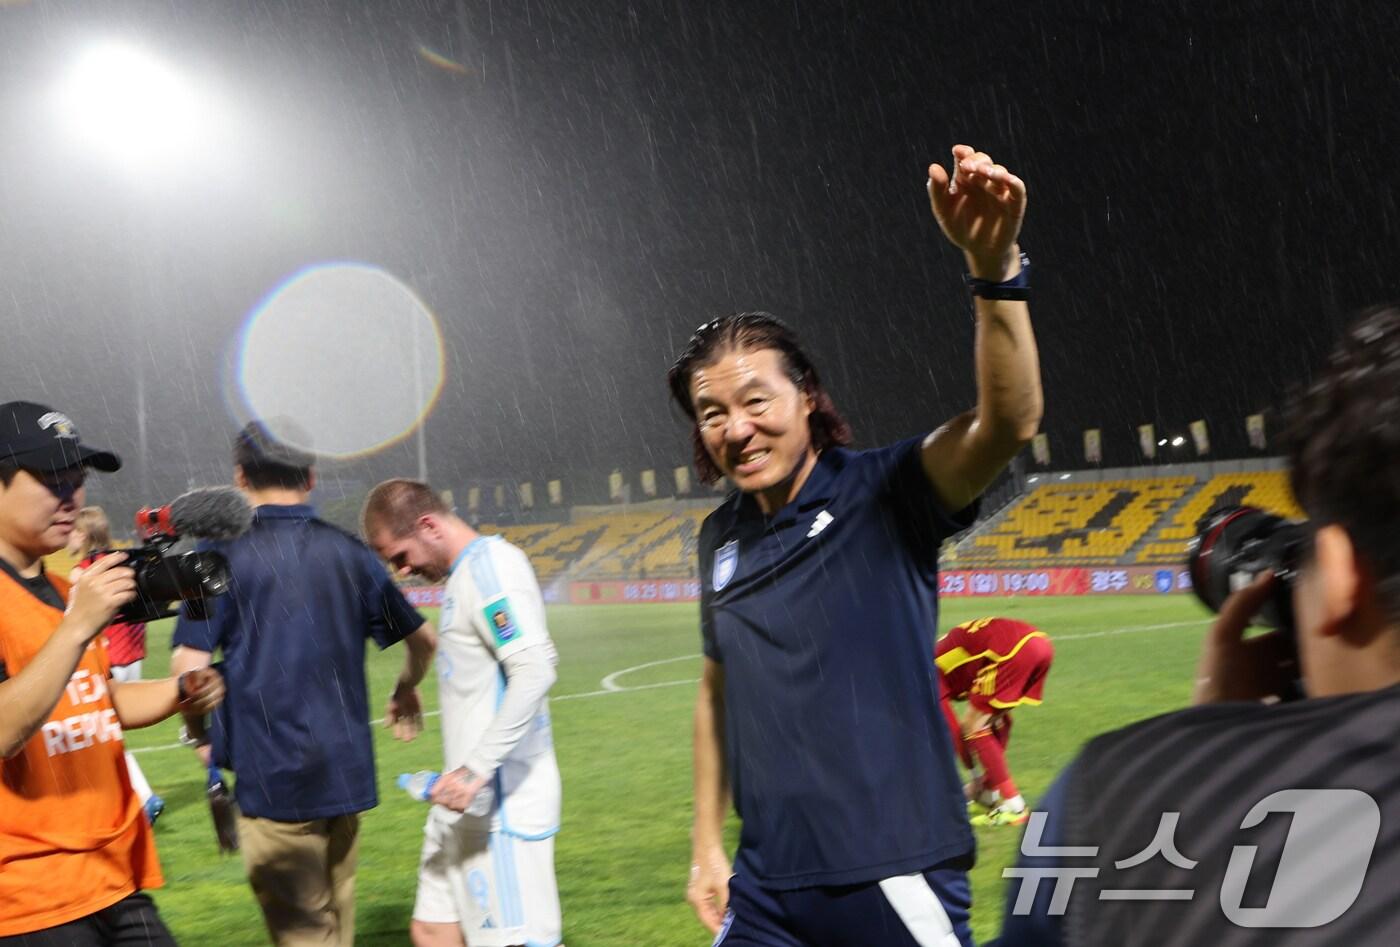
(73, 836)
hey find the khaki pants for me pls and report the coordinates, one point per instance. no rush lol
(303, 875)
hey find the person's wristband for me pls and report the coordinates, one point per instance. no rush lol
(1017, 288)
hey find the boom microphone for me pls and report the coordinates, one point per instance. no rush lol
(205, 513)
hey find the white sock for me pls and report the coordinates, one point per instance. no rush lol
(1014, 804)
(138, 779)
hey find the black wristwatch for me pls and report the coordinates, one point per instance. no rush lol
(1017, 288)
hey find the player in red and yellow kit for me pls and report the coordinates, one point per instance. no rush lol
(996, 665)
(76, 850)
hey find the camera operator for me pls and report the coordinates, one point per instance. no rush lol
(304, 597)
(76, 850)
(126, 640)
(1171, 816)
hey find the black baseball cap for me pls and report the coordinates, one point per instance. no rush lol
(38, 438)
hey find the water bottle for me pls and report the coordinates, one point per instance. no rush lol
(419, 785)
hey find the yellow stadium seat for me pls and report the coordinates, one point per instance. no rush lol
(1076, 523)
(1267, 489)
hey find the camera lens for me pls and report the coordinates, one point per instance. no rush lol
(211, 574)
(1236, 544)
(162, 579)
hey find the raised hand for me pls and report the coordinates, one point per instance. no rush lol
(979, 208)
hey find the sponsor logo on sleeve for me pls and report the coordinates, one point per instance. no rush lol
(501, 621)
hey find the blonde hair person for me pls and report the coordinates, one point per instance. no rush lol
(126, 641)
(91, 531)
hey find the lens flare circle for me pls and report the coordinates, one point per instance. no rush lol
(344, 351)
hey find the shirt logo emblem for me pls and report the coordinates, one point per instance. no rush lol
(726, 564)
(823, 520)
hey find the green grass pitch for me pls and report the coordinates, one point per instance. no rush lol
(624, 850)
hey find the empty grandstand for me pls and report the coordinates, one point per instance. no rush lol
(654, 540)
(1118, 518)
(1075, 523)
(1267, 489)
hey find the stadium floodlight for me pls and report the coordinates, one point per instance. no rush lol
(1178, 441)
(128, 106)
(124, 107)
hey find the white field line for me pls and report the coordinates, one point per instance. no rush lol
(609, 685)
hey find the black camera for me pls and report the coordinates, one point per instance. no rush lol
(164, 577)
(1236, 544)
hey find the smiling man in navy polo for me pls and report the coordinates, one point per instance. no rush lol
(818, 706)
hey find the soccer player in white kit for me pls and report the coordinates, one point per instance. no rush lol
(487, 870)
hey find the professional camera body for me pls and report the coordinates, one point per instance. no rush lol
(1235, 545)
(163, 577)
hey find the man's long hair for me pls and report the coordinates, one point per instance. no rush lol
(748, 332)
(1343, 443)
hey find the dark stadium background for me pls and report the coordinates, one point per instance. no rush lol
(1212, 189)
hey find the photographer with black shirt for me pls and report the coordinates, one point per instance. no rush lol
(1250, 819)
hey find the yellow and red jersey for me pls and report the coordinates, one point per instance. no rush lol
(73, 836)
(994, 663)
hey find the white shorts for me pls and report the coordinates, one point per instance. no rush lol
(499, 888)
(127, 672)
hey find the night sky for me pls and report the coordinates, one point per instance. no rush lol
(1212, 190)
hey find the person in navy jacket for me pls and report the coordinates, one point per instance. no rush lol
(818, 706)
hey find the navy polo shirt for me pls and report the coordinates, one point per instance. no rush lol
(824, 619)
(303, 598)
